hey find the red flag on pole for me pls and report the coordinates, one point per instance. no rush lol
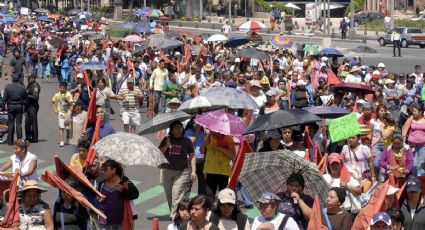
(308, 143)
(374, 205)
(245, 148)
(11, 219)
(317, 153)
(91, 111)
(315, 222)
(332, 78)
(127, 219)
(96, 136)
(87, 80)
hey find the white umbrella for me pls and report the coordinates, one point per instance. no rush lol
(252, 26)
(332, 6)
(217, 38)
(293, 6)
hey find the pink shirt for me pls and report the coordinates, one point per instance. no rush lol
(417, 134)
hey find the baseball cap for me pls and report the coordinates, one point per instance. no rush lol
(413, 184)
(334, 157)
(381, 216)
(271, 93)
(268, 197)
(174, 100)
(381, 65)
(80, 75)
(227, 196)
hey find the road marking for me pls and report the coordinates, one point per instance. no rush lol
(149, 194)
(252, 213)
(162, 209)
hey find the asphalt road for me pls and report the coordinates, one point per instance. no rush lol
(152, 202)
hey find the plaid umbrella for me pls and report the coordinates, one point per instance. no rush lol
(201, 104)
(155, 40)
(162, 121)
(222, 122)
(130, 149)
(269, 171)
(280, 119)
(233, 98)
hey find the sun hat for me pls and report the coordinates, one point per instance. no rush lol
(208, 67)
(268, 198)
(174, 100)
(227, 196)
(354, 69)
(381, 216)
(32, 184)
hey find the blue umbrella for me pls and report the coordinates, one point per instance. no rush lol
(44, 19)
(93, 65)
(142, 27)
(8, 20)
(143, 11)
(331, 52)
(128, 25)
(236, 41)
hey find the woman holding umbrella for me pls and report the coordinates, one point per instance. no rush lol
(177, 149)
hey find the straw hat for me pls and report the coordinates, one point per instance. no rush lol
(32, 184)
(354, 69)
(208, 67)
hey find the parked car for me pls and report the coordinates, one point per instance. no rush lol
(364, 16)
(409, 36)
(418, 17)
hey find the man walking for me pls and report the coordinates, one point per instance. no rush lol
(158, 78)
(18, 64)
(396, 39)
(31, 122)
(15, 98)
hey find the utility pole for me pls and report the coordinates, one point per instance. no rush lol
(230, 12)
(352, 30)
(391, 14)
(144, 3)
(201, 2)
(328, 19)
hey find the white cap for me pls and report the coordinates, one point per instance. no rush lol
(80, 75)
(324, 59)
(237, 60)
(360, 101)
(376, 72)
(79, 60)
(301, 82)
(381, 65)
(389, 81)
(177, 53)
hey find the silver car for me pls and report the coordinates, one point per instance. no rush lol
(409, 36)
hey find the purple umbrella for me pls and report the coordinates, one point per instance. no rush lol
(222, 122)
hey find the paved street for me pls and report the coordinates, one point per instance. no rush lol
(152, 201)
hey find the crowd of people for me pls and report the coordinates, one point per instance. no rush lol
(65, 49)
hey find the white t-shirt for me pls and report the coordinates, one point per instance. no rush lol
(24, 167)
(298, 65)
(172, 226)
(353, 78)
(231, 225)
(336, 182)
(290, 224)
(260, 100)
(227, 29)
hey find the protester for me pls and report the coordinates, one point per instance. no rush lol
(199, 207)
(61, 104)
(182, 215)
(78, 159)
(413, 207)
(380, 221)
(334, 217)
(130, 96)
(397, 218)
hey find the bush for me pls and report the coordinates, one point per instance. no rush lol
(378, 25)
(118, 32)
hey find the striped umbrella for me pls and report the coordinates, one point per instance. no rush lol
(154, 13)
(281, 41)
(252, 26)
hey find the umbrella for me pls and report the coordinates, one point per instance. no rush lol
(88, 33)
(157, 31)
(41, 11)
(133, 38)
(331, 52)
(74, 12)
(217, 38)
(173, 35)
(233, 98)
(93, 65)
(326, 112)
(44, 19)
(169, 44)
(64, 29)
(269, 171)
(280, 119)
(293, 6)
(354, 87)
(201, 104)
(253, 53)
(138, 49)
(127, 25)
(130, 149)
(8, 20)
(183, 32)
(162, 121)
(154, 13)
(141, 27)
(221, 122)
(364, 49)
(311, 49)
(55, 181)
(56, 42)
(252, 26)
(63, 170)
(155, 40)
(236, 41)
(143, 11)
(98, 37)
(281, 41)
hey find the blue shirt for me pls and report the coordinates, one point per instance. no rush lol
(198, 142)
(105, 130)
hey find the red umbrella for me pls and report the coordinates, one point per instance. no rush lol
(55, 181)
(354, 87)
(11, 219)
(63, 170)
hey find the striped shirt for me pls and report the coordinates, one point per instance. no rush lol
(129, 101)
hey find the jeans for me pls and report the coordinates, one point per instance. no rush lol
(65, 75)
(44, 70)
(13, 116)
(378, 149)
(34, 68)
(157, 98)
(397, 45)
(175, 182)
(418, 159)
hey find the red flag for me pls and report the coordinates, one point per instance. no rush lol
(245, 148)
(150, 112)
(308, 143)
(96, 136)
(87, 80)
(332, 78)
(91, 111)
(315, 222)
(11, 219)
(375, 204)
(317, 153)
(127, 219)
(63, 49)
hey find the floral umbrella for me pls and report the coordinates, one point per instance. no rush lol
(221, 122)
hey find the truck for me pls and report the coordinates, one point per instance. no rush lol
(409, 37)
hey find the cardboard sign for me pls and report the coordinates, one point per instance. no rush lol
(344, 127)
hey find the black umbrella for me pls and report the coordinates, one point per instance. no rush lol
(139, 49)
(169, 44)
(280, 119)
(74, 12)
(326, 112)
(253, 53)
(162, 121)
(236, 41)
(364, 49)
